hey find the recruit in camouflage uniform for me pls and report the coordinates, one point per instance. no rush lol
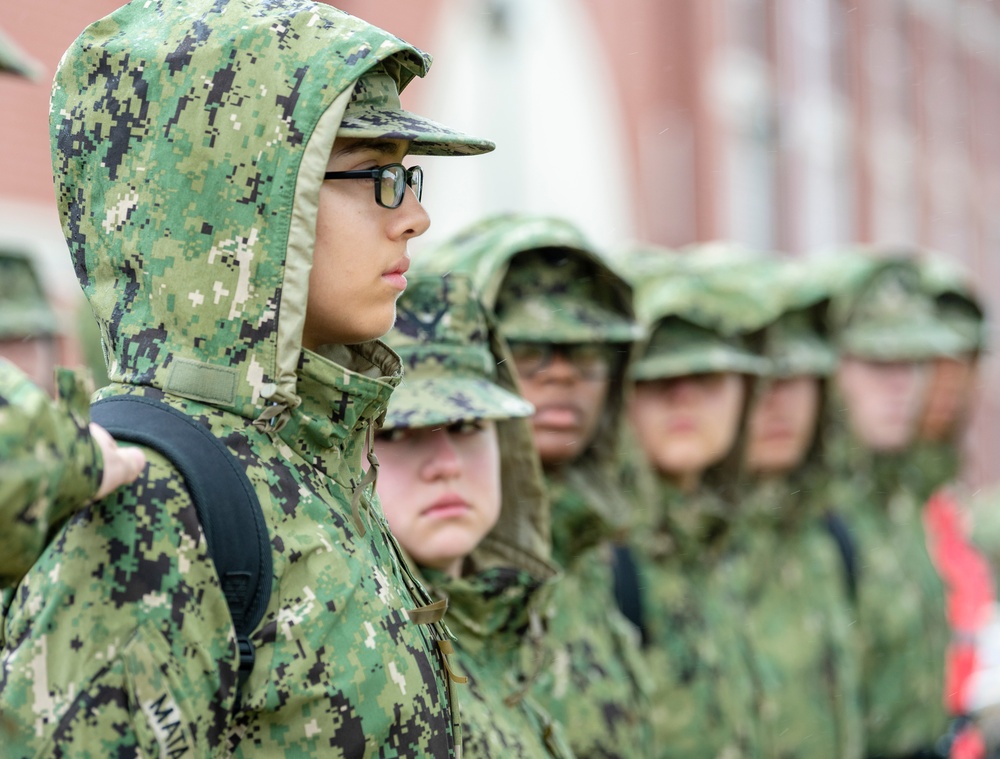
(189, 146)
(706, 690)
(48, 461)
(880, 313)
(794, 585)
(546, 284)
(456, 370)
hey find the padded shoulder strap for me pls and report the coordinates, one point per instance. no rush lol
(225, 500)
(628, 589)
(846, 547)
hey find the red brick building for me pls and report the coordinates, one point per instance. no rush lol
(786, 124)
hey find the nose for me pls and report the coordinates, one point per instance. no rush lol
(442, 460)
(410, 219)
(682, 389)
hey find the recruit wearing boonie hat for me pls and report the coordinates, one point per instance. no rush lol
(24, 309)
(559, 295)
(374, 112)
(890, 317)
(450, 372)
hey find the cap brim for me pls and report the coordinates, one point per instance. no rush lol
(426, 137)
(565, 321)
(449, 400)
(705, 362)
(917, 342)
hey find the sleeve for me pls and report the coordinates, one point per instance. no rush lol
(49, 464)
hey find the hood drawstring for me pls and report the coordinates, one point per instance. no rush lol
(370, 478)
(273, 418)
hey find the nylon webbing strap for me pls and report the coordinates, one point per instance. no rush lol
(224, 499)
(628, 589)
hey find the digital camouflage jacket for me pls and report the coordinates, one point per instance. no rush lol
(792, 577)
(707, 684)
(189, 142)
(594, 685)
(49, 465)
(458, 370)
(877, 311)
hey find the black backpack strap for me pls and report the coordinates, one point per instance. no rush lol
(224, 499)
(628, 590)
(841, 533)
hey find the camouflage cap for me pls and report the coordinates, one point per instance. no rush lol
(376, 113)
(795, 347)
(14, 61)
(557, 295)
(443, 336)
(24, 308)
(956, 301)
(888, 316)
(678, 348)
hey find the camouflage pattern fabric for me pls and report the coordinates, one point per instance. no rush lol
(789, 573)
(49, 464)
(957, 303)
(879, 311)
(798, 621)
(119, 641)
(25, 311)
(457, 369)
(548, 260)
(706, 685)
(443, 336)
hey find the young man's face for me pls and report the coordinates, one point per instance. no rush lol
(782, 425)
(687, 424)
(440, 490)
(883, 399)
(569, 401)
(360, 255)
(949, 395)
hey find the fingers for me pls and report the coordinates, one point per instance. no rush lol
(121, 465)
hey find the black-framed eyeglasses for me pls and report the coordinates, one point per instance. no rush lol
(593, 361)
(390, 180)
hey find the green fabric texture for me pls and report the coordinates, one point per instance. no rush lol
(188, 142)
(901, 619)
(443, 337)
(699, 314)
(880, 309)
(595, 686)
(492, 612)
(49, 464)
(25, 311)
(706, 691)
(958, 304)
(798, 622)
(458, 369)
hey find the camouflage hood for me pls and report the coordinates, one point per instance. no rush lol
(229, 109)
(704, 312)
(486, 251)
(457, 369)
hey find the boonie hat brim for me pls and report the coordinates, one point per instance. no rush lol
(450, 399)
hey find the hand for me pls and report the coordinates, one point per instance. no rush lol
(121, 465)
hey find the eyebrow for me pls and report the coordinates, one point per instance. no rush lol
(385, 147)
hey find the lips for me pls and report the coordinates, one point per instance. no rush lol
(558, 417)
(395, 275)
(447, 506)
